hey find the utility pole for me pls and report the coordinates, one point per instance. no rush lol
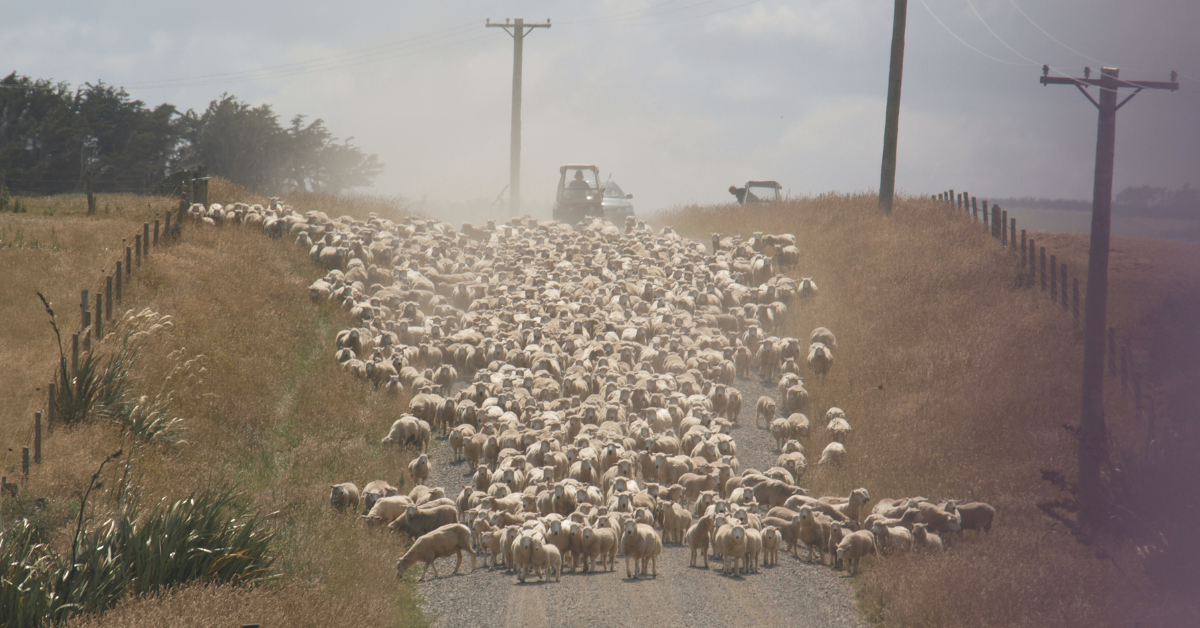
(1093, 436)
(517, 30)
(891, 125)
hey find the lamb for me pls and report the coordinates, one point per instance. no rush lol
(789, 531)
(797, 426)
(771, 541)
(754, 546)
(834, 455)
(522, 553)
(343, 496)
(419, 469)
(820, 359)
(765, 409)
(697, 537)
(780, 430)
(976, 516)
(417, 522)
(640, 543)
(449, 539)
(731, 543)
(923, 539)
(836, 533)
(853, 547)
(546, 556)
(473, 449)
(675, 521)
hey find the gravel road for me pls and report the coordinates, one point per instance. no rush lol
(792, 593)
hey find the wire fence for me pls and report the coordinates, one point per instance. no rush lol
(96, 305)
(1045, 272)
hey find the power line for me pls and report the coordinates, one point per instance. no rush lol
(989, 29)
(1052, 37)
(964, 42)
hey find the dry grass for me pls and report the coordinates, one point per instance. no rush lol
(273, 415)
(957, 382)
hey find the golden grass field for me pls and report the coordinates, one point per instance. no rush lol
(271, 414)
(956, 382)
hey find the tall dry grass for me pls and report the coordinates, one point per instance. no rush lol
(272, 415)
(957, 383)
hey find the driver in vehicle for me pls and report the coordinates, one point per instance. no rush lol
(578, 183)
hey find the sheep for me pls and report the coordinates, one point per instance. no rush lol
(640, 543)
(853, 507)
(449, 539)
(731, 542)
(419, 469)
(375, 490)
(823, 336)
(820, 359)
(598, 542)
(697, 538)
(771, 540)
(853, 547)
(387, 509)
(754, 546)
(780, 431)
(976, 516)
(343, 496)
(838, 429)
(765, 410)
(834, 455)
(546, 556)
(836, 533)
(675, 521)
(891, 539)
(807, 289)
(416, 521)
(458, 437)
(923, 539)
(797, 426)
(522, 553)
(814, 532)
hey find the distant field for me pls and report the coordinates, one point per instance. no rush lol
(1071, 221)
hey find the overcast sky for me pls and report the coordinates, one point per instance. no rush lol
(676, 99)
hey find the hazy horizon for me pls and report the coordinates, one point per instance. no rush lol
(677, 99)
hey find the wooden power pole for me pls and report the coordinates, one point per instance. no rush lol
(1093, 434)
(517, 29)
(891, 125)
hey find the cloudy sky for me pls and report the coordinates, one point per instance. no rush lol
(676, 99)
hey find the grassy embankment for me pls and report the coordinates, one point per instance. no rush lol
(270, 415)
(957, 383)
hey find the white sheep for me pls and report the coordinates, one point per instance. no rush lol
(834, 455)
(419, 469)
(343, 496)
(449, 539)
(640, 543)
(820, 359)
(853, 547)
(731, 543)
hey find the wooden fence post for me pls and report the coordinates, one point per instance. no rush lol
(137, 246)
(958, 201)
(37, 437)
(1043, 265)
(1024, 253)
(1003, 227)
(1012, 234)
(146, 239)
(985, 215)
(108, 296)
(91, 198)
(128, 261)
(99, 323)
(52, 406)
(1112, 351)
(1063, 283)
(1053, 280)
(996, 226)
(120, 275)
(85, 314)
(974, 209)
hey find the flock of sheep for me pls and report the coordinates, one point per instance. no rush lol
(599, 410)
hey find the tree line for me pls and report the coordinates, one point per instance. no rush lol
(53, 135)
